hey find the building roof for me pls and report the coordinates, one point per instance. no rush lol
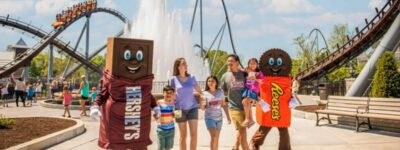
(21, 44)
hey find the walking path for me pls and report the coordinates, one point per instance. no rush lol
(304, 134)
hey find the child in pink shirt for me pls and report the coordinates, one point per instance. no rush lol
(67, 101)
(251, 91)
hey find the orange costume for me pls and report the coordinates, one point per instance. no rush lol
(276, 91)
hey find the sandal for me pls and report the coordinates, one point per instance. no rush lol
(63, 115)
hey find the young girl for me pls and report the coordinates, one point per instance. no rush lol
(213, 101)
(30, 93)
(251, 92)
(93, 95)
(67, 101)
(4, 94)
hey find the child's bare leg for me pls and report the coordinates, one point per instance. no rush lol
(69, 113)
(298, 100)
(65, 111)
(247, 111)
(250, 113)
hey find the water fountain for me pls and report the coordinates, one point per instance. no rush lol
(171, 40)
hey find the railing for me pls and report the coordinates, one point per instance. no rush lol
(157, 85)
(337, 88)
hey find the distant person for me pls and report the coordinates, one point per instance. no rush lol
(84, 91)
(295, 89)
(165, 119)
(10, 89)
(54, 87)
(19, 89)
(93, 94)
(30, 93)
(67, 99)
(38, 89)
(4, 95)
(213, 102)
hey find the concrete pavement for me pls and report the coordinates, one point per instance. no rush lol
(304, 134)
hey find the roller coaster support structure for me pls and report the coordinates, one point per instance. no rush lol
(388, 43)
(87, 46)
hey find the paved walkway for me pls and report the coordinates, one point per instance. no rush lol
(304, 134)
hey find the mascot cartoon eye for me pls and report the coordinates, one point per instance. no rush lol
(127, 55)
(139, 55)
(279, 61)
(271, 61)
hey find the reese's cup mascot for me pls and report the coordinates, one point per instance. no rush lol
(275, 90)
(125, 100)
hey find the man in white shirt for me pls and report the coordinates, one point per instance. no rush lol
(19, 89)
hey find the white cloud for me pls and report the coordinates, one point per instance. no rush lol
(286, 6)
(15, 7)
(375, 3)
(52, 7)
(240, 18)
(327, 18)
(109, 4)
(263, 30)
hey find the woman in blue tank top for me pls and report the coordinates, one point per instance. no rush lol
(84, 91)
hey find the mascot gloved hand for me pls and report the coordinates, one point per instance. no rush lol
(275, 91)
(125, 100)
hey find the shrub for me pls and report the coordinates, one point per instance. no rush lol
(386, 78)
(6, 122)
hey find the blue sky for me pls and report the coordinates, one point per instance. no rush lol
(257, 25)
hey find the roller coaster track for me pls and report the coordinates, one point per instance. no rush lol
(92, 55)
(364, 38)
(48, 38)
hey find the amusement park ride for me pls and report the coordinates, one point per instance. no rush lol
(386, 25)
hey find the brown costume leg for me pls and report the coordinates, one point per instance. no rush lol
(259, 137)
(284, 139)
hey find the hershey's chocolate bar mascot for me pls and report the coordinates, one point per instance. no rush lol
(125, 100)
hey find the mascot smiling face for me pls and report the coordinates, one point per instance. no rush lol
(275, 62)
(129, 58)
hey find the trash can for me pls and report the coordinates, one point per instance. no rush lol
(323, 91)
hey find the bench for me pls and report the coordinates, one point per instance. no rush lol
(380, 108)
(343, 106)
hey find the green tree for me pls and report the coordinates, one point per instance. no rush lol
(338, 36)
(39, 65)
(386, 81)
(34, 70)
(304, 52)
(219, 67)
(100, 62)
(295, 66)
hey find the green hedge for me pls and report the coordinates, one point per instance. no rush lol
(386, 81)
